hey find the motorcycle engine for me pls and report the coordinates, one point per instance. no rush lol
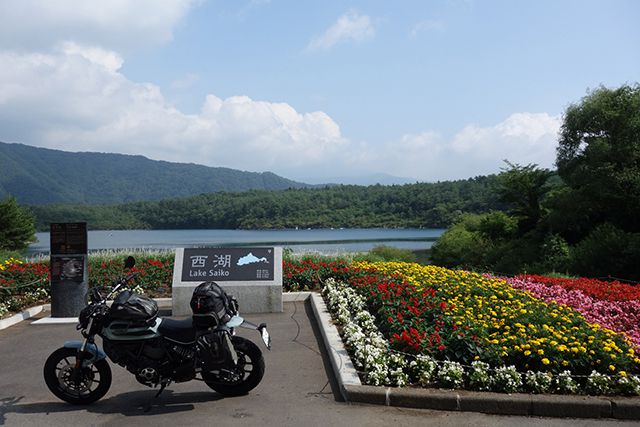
(145, 360)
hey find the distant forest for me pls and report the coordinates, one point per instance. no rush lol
(428, 205)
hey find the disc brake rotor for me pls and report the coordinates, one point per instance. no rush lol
(67, 378)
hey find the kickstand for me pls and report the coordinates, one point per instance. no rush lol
(150, 404)
(162, 387)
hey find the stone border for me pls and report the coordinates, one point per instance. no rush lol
(343, 368)
(23, 315)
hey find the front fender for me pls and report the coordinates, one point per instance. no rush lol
(97, 352)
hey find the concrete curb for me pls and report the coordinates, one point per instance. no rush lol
(19, 317)
(345, 372)
(539, 405)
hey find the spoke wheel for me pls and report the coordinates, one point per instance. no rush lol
(80, 386)
(242, 378)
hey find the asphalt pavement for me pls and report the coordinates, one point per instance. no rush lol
(298, 388)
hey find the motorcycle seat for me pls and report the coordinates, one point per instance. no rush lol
(180, 331)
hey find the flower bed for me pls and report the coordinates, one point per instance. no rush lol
(619, 315)
(454, 316)
(380, 365)
(23, 284)
(598, 289)
(307, 274)
(154, 270)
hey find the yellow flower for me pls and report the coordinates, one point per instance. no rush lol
(622, 373)
(545, 361)
(612, 368)
(541, 352)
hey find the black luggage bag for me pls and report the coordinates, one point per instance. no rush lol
(212, 306)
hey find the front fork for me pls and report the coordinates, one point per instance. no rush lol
(88, 351)
(87, 339)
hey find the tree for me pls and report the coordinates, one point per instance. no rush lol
(523, 188)
(17, 227)
(598, 157)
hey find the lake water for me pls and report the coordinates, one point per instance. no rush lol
(326, 241)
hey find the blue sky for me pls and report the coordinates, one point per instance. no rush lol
(427, 90)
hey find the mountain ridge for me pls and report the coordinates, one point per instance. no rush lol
(40, 176)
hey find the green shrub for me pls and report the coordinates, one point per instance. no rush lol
(461, 245)
(556, 253)
(607, 251)
(497, 226)
(389, 253)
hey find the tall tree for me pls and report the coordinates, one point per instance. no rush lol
(523, 188)
(598, 156)
(17, 227)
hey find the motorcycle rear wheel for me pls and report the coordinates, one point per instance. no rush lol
(79, 386)
(245, 376)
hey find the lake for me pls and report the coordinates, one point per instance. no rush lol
(326, 241)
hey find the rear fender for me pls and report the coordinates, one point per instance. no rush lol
(261, 328)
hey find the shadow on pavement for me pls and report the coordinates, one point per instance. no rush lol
(130, 404)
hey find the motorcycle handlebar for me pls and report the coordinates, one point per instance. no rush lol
(120, 283)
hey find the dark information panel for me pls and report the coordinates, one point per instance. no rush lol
(228, 264)
(69, 268)
(68, 238)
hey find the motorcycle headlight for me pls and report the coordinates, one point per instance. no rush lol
(85, 315)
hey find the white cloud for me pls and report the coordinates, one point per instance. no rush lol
(75, 99)
(116, 24)
(475, 150)
(349, 27)
(97, 55)
(523, 135)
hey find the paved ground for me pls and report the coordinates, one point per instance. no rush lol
(296, 389)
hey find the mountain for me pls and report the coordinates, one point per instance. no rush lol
(39, 176)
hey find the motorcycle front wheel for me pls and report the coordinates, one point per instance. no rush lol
(78, 386)
(244, 377)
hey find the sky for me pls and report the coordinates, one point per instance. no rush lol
(311, 90)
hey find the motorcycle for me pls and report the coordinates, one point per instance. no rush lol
(157, 351)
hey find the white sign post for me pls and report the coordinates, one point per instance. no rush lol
(252, 275)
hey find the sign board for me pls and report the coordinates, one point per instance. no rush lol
(252, 275)
(68, 238)
(227, 264)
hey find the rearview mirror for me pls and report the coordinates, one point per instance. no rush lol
(129, 262)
